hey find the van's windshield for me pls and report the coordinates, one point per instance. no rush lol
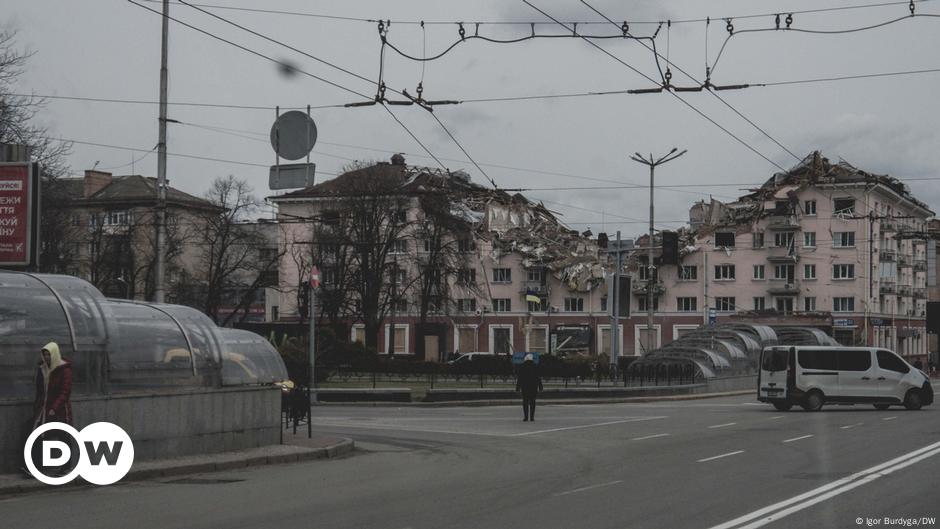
(774, 360)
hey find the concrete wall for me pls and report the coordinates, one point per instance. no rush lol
(167, 423)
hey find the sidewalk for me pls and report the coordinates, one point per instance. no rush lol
(295, 448)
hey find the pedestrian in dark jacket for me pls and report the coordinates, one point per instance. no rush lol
(53, 395)
(53, 388)
(530, 383)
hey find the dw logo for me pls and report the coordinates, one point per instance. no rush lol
(102, 453)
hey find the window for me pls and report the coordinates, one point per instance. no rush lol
(76, 220)
(359, 334)
(399, 276)
(401, 306)
(783, 239)
(843, 271)
(267, 254)
(784, 272)
(759, 303)
(843, 239)
(724, 272)
(809, 207)
(782, 207)
(93, 220)
(843, 304)
(502, 305)
(688, 273)
(854, 360)
(268, 278)
(758, 271)
(466, 339)
(809, 239)
(502, 275)
(467, 276)
(399, 216)
(466, 245)
(643, 306)
(117, 218)
(538, 340)
(843, 206)
(430, 245)
(604, 304)
(535, 275)
(784, 305)
(574, 304)
(809, 271)
(467, 305)
(725, 304)
(827, 359)
(645, 273)
(687, 304)
(401, 338)
(398, 246)
(809, 304)
(540, 306)
(724, 239)
(758, 239)
(891, 362)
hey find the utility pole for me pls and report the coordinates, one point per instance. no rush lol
(652, 163)
(160, 268)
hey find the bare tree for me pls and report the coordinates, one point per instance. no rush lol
(18, 125)
(232, 266)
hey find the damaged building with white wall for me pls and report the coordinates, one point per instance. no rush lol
(514, 277)
(824, 245)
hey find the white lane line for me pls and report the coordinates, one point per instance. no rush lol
(590, 487)
(889, 418)
(798, 438)
(401, 428)
(721, 456)
(608, 423)
(723, 425)
(776, 417)
(850, 426)
(836, 487)
(649, 437)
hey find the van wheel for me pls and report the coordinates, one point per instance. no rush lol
(783, 406)
(882, 406)
(813, 401)
(912, 400)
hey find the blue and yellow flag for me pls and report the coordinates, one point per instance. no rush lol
(531, 296)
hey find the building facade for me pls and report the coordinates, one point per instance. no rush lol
(823, 245)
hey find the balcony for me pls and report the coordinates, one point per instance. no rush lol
(920, 293)
(782, 254)
(639, 288)
(782, 223)
(888, 225)
(905, 290)
(904, 261)
(920, 265)
(535, 287)
(784, 289)
(887, 255)
(888, 288)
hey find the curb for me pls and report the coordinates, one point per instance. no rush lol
(543, 402)
(226, 462)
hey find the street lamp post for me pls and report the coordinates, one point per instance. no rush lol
(652, 163)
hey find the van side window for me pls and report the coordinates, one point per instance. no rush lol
(775, 360)
(854, 360)
(819, 359)
(890, 361)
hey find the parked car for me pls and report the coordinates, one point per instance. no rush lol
(466, 358)
(813, 376)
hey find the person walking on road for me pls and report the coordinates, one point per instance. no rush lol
(53, 393)
(530, 383)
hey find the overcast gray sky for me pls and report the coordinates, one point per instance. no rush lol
(111, 49)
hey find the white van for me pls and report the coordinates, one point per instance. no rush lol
(812, 376)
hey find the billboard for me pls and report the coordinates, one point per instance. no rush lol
(19, 214)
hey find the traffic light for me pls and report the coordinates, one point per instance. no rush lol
(670, 254)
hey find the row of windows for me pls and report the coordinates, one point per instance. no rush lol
(784, 304)
(726, 272)
(845, 360)
(400, 246)
(784, 239)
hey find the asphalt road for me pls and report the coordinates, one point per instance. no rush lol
(725, 463)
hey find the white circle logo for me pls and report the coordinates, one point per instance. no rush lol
(102, 453)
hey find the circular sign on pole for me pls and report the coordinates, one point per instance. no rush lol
(293, 135)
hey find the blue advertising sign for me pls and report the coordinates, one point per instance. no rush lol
(518, 357)
(712, 317)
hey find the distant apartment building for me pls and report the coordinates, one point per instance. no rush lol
(512, 278)
(824, 245)
(110, 229)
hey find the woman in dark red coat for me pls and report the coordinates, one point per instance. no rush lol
(53, 388)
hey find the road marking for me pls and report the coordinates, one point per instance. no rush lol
(763, 516)
(401, 428)
(721, 456)
(723, 425)
(649, 437)
(608, 423)
(582, 489)
(889, 418)
(776, 417)
(798, 438)
(849, 426)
